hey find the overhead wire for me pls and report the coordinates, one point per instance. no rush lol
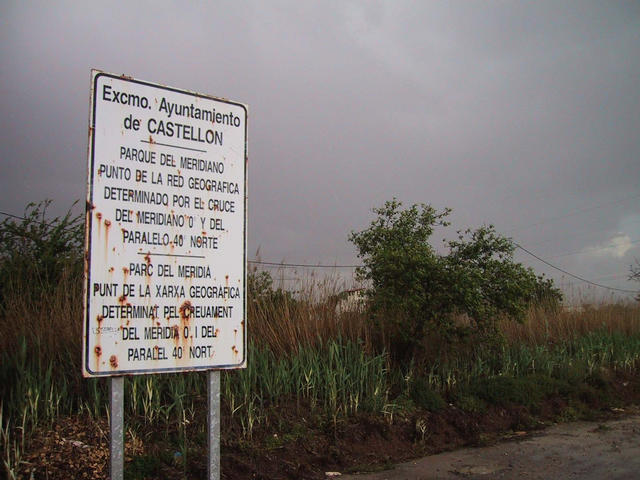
(299, 265)
(573, 275)
(309, 265)
(45, 224)
(573, 235)
(572, 213)
(594, 250)
(12, 215)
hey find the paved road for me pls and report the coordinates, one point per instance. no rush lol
(584, 450)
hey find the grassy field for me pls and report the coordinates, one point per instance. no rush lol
(311, 374)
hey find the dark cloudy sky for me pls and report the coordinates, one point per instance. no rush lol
(522, 115)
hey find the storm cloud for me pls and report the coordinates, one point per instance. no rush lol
(521, 115)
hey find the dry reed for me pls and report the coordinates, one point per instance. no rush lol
(49, 319)
(543, 325)
(285, 323)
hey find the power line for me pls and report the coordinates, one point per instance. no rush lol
(51, 224)
(593, 250)
(611, 276)
(304, 265)
(572, 275)
(308, 265)
(12, 215)
(570, 214)
(574, 235)
(300, 265)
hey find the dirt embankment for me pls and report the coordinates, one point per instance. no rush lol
(298, 446)
(585, 450)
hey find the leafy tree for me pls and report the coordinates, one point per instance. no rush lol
(486, 282)
(401, 266)
(415, 291)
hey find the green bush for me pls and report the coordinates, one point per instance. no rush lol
(528, 391)
(36, 250)
(502, 391)
(261, 292)
(423, 396)
(574, 373)
(471, 404)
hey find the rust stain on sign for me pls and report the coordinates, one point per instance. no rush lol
(186, 311)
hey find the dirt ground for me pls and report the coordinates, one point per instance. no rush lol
(586, 450)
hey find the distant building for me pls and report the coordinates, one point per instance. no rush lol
(353, 300)
(573, 308)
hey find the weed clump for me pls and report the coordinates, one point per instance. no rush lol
(425, 397)
(529, 390)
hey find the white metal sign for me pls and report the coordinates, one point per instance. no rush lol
(166, 230)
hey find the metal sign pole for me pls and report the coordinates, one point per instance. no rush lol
(131, 150)
(213, 423)
(116, 422)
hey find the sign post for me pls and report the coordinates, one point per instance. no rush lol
(213, 423)
(116, 427)
(165, 259)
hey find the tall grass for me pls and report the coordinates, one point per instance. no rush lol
(337, 378)
(303, 357)
(582, 356)
(49, 318)
(543, 325)
(40, 341)
(301, 353)
(285, 323)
